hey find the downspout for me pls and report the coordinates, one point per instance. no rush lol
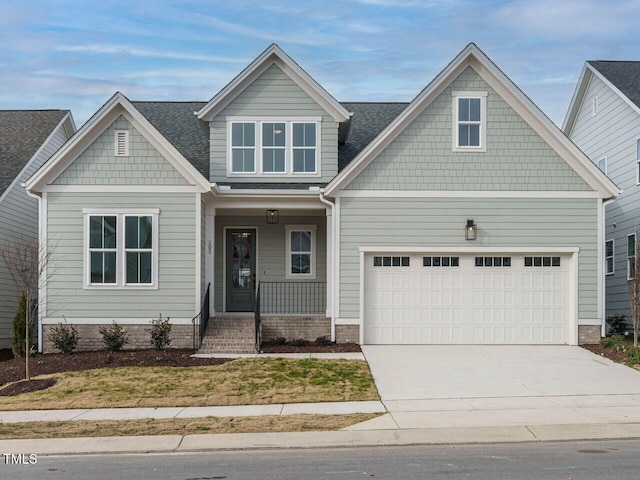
(40, 283)
(603, 328)
(333, 266)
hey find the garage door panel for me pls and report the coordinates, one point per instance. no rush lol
(479, 300)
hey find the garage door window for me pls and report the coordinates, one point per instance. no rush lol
(440, 261)
(493, 261)
(390, 261)
(541, 261)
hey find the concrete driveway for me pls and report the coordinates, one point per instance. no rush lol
(463, 385)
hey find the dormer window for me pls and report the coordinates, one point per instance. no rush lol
(469, 121)
(286, 147)
(121, 146)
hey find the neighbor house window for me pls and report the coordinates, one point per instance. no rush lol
(121, 143)
(602, 164)
(469, 121)
(594, 106)
(122, 248)
(608, 257)
(285, 147)
(301, 246)
(631, 256)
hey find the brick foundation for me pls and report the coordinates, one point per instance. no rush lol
(139, 337)
(293, 328)
(589, 334)
(347, 334)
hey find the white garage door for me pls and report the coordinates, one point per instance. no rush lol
(467, 299)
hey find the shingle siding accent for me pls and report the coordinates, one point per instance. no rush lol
(516, 157)
(98, 164)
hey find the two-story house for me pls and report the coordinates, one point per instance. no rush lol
(464, 216)
(28, 138)
(604, 121)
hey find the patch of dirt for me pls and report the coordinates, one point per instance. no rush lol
(618, 357)
(5, 354)
(313, 348)
(24, 386)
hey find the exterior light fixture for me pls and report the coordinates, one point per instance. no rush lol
(470, 230)
(273, 217)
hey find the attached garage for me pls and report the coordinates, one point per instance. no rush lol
(467, 298)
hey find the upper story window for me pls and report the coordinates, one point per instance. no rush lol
(469, 121)
(274, 147)
(602, 164)
(631, 256)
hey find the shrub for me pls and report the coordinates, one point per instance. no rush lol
(114, 337)
(617, 324)
(614, 342)
(300, 342)
(634, 355)
(19, 328)
(323, 341)
(278, 341)
(64, 337)
(160, 332)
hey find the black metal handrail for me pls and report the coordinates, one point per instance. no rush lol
(258, 320)
(303, 298)
(201, 320)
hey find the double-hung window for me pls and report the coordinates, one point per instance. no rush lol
(631, 256)
(272, 146)
(469, 121)
(608, 257)
(301, 246)
(122, 248)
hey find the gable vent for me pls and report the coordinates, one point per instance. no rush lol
(122, 143)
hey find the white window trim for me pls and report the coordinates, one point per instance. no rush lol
(612, 257)
(301, 228)
(629, 257)
(288, 160)
(456, 95)
(116, 138)
(120, 215)
(606, 166)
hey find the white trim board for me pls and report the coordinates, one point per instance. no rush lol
(463, 194)
(468, 250)
(109, 321)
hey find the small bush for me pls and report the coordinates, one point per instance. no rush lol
(323, 341)
(617, 324)
(634, 355)
(114, 337)
(19, 328)
(64, 337)
(300, 342)
(615, 342)
(278, 341)
(160, 332)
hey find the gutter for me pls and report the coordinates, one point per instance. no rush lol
(333, 261)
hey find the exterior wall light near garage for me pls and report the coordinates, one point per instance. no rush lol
(470, 230)
(273, 217)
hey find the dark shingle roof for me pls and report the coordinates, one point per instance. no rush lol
(22, 132)
(368, 120)
(624, 75)
(177, 122)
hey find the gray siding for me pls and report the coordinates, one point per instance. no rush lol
(613, 133)
(425, 222)
(98, 165)
(175, 296)
(274, 94)
(271, 248)
(421, 157)
(19, 219)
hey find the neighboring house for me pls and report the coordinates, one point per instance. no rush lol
(604, 121)
(27, 139)
(464, 216)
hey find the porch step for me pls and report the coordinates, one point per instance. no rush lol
(229, 335)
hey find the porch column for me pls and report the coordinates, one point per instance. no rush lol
(210, 255)
(329, 262)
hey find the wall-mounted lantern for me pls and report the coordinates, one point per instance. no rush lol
(273, 217)
(470, 230)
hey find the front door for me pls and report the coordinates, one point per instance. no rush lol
(241, 270)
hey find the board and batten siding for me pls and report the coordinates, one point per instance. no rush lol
(98, 164)
(516, 157)
(274, 94)
(19, 219)
(439, 222)
(66, 295)
(613, 133)
(271, 248)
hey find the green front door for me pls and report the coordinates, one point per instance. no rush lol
(241, 270)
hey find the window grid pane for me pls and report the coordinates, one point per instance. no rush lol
(138, 249)
(102, 249)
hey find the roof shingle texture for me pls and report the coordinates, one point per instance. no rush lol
(624, 75)
(22, 132)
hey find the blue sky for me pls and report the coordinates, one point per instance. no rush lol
(74, 54)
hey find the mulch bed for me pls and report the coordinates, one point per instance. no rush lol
(598, 349)
(313, 348)
(24, 386)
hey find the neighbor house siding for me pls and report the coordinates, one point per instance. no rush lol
(421, 157)
(425, 222)
(274, 94)
(98, 164)
(271, 248)
(66, 295)
(613, 133)
(19, 220)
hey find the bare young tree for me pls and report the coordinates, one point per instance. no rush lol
(27, 262)
(633, 283)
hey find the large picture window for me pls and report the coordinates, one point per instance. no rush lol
(301, 246)
(122, 248)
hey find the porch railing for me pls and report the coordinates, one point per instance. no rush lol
(201, 320)
(302, 298)
(258, 320)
